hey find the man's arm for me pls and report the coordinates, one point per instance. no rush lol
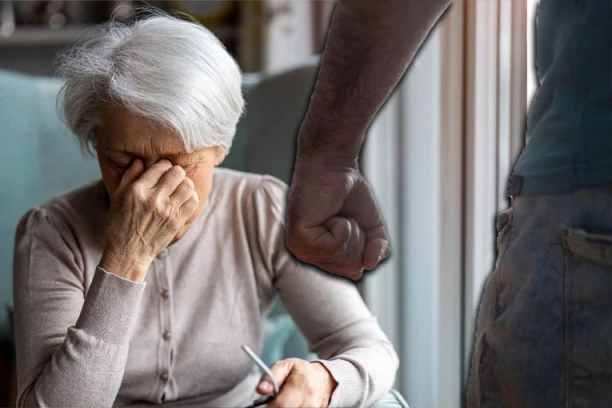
(370, 45)
(332, 219)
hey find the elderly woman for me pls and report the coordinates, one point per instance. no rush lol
(141, 288)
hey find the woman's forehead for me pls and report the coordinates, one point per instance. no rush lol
(124, 132)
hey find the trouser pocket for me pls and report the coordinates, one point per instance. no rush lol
(588, 318)
(502, 225)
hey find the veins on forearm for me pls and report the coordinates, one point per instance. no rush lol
(369, 47)
(344, 83)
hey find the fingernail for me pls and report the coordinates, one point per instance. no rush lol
(384, 253)
(265, 385)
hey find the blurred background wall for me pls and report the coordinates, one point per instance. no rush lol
(263, 36)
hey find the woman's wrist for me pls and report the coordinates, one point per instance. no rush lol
(125, 266)
(329, 384)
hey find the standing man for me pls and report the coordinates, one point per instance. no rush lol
(544, 331)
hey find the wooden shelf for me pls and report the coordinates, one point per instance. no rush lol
(27, 37)
(33, 37)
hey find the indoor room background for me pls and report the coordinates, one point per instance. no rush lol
(437, 156)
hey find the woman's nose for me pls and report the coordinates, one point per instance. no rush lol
(149, 163)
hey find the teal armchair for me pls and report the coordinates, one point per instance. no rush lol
(39, 160)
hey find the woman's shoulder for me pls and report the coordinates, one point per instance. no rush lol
(246, 187)
(72, 210)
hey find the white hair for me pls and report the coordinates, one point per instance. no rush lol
(172, 71)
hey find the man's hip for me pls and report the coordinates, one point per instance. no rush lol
(544, 328)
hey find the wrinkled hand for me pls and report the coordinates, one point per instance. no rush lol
(302, 384)
(146, 212)
(332, 219)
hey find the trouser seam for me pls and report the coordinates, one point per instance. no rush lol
(502, 256)
(567, 311)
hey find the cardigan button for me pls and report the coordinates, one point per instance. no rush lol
(164, 376)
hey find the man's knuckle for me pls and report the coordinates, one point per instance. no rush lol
(337, 248)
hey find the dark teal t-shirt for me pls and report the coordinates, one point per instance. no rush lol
(569, 126)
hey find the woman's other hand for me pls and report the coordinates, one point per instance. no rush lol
(145, 214)
(302, 384)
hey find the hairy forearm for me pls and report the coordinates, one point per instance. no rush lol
(370, 44)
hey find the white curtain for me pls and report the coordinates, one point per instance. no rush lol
(437, 158)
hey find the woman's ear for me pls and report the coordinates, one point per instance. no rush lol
(220, 154)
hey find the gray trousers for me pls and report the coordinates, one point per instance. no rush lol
(544, 330)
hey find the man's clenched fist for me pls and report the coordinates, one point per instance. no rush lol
(332, 219)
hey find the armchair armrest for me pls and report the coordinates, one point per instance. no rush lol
(392, 399)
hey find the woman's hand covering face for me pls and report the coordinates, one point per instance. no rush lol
(146, 212)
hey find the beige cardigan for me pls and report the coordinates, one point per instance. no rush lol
(86, 337)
